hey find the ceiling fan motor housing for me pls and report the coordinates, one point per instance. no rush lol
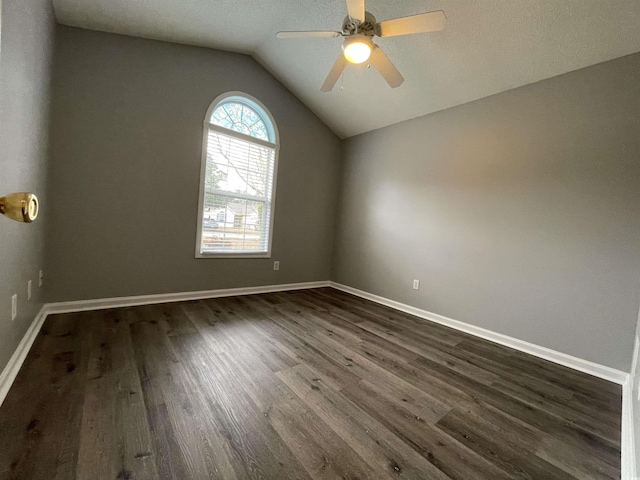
(368, 28)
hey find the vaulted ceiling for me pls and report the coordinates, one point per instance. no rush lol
(487, 46)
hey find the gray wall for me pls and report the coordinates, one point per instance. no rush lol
(25, 64)
(126, 133)
(519, 213)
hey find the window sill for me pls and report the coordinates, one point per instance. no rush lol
(233, 255)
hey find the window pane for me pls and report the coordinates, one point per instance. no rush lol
(234, 225)
(240, 118)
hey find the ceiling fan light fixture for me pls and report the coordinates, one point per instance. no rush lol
(357, 49)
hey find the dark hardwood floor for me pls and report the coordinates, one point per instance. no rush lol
(297, 385)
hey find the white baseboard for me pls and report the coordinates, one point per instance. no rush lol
(10, 372)
(627, 441)
(585, 366)
(100, 304)
(628, 447)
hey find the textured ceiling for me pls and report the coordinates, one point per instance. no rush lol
(487, 46)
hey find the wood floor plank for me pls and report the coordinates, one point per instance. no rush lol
(206, 322)
(319, 449)
(575, 461)
(404, 393)
(115, 437)
(442, 451)
(257, 448)
(362, 367)
(333, 373)
(435, 353)
(296, 385)
(493, 369)
(390, 318)
(508, 457)
(513, 431)
(609, 410)
(599, 426)
(554, 374)
(212, 321)
(357, 334)
(37, 440)
(556, 427)
(318, 321)
(185, 443)
(372, 441)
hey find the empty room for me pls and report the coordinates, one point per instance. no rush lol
(336, 239)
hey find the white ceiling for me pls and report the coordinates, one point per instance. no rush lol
(487, 46)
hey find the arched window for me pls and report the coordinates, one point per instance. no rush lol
(237, 180)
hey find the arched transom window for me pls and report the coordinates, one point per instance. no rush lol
(240, 117)
(240, 149)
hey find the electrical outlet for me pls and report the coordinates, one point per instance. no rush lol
(276, 265)
(14, 306)
(416, 284)
(29, 290)
(40, 279)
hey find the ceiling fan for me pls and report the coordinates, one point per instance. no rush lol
(359, 28)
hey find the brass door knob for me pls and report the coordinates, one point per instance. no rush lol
(21, 206)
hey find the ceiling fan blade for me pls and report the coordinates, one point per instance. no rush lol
(385, 67)
(334, 74)
(424, 22)
(356, 9)
(310, 34)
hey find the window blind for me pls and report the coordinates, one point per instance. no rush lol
(238, 193)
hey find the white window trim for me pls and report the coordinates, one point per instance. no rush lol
(206, 126)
